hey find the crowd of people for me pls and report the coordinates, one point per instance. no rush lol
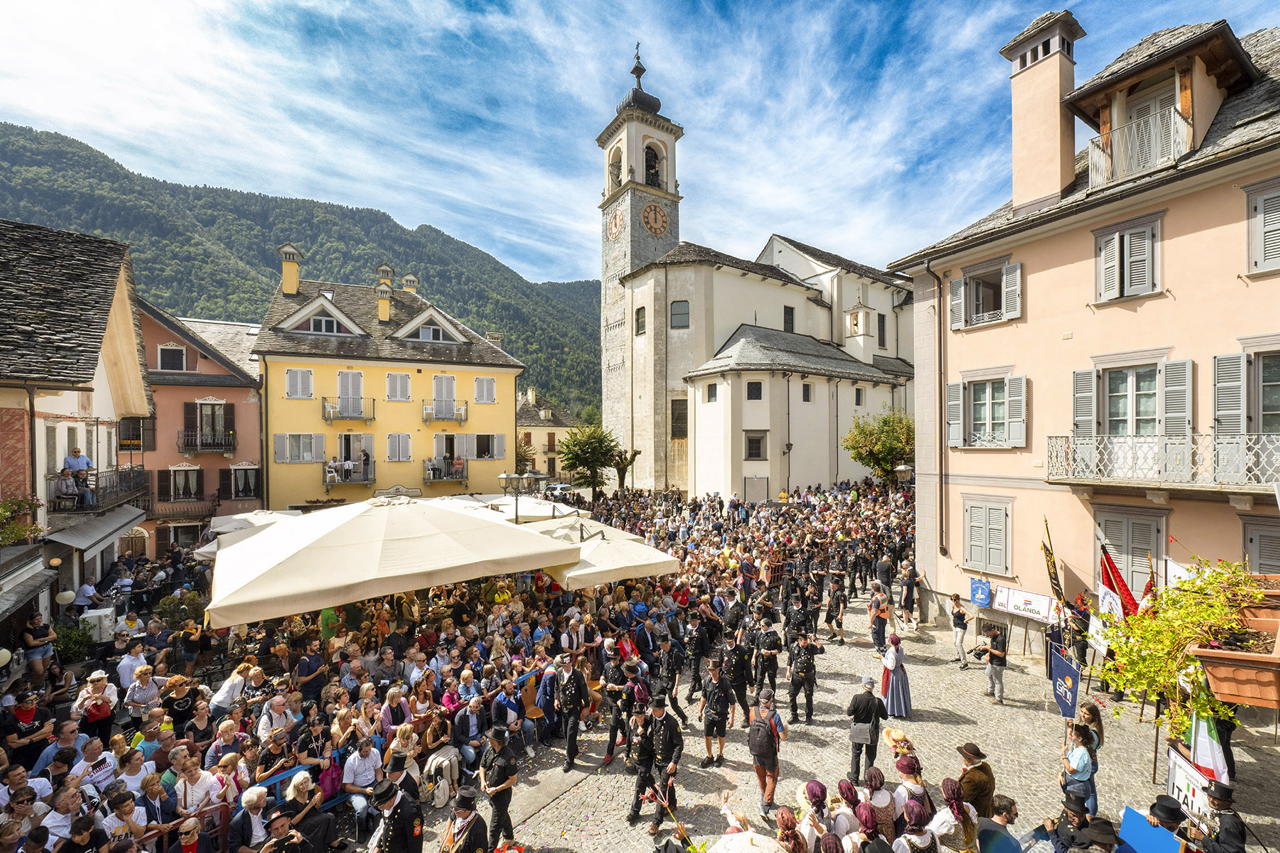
(395, 708)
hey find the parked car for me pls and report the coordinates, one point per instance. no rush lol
(559, 490)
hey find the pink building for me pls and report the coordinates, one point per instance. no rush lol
(202, 445)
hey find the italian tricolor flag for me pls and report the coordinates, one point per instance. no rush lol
(1206, 750)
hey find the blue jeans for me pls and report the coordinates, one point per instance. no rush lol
(527, 731)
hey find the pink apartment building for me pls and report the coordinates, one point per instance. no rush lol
(202, 446)
(1106, 346)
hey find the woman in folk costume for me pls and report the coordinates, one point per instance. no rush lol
(788, 835)
(916, 837)
(894, 686)
(868, 838)
(843, 820)
(881, 802)
(911, 788)
(956, 825)
(814, 819)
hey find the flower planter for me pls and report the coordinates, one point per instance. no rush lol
(1250, 678)
(1269, 607)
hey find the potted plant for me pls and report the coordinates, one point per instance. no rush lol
(73, 644)
(1269, 607)
(1184, 634)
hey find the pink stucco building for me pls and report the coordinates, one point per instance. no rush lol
(1106, 347)
(202, 447)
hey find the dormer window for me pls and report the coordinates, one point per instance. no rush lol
(322, 323)
(431, 331)
(172, 358)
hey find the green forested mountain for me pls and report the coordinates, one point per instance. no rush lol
(210, 252)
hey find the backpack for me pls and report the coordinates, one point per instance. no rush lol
(760, 740)
(641, 694)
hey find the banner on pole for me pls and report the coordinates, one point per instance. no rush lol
(1186, 785)
(980, 591)
(1020, 602)
(1096, 640)
(1066, 681)
(1051, 563)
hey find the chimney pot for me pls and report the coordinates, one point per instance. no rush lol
(290, 266)
(494, 338)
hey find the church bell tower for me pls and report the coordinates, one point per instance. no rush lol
(639, 223)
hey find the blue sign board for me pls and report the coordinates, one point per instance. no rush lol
(1066, 681)
(980, 592)
(1138, 836)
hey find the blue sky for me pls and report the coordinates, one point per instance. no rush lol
(867, 128)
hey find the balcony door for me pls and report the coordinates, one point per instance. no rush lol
(1267, 456)
(1131, 423)
(443, 390)
(350, 393)
(1148, 132)
(212, 424)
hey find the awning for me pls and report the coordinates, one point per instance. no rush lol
(95, 534)
(20, 593)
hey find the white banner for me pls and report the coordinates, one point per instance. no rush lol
(1174, 572)
(1186, 785)
(1109, 602)
(1095, 634)
(1032, 605)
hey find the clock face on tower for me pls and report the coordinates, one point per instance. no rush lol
(655, 219)
(614, 222)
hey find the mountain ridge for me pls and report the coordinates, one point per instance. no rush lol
(209, 252)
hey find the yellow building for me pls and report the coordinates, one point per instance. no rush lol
(370, 390)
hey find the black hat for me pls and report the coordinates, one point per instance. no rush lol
(1074, 803)
(384, 790)
(714, 663)
(1101, 831)
(397, 762)
(971, 750)
(664, 638)
(657, 700)
(275, 814)
(1167, 810)
(631, 668)
(499, 734)
(695, 616)
(1220, 791)
(466, 799)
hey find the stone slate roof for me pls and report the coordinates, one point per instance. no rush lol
(360, 303)
(1044, 21)
(238, 376)
(1166, 41)
(1249, 118)
(893, 365)
(758, 348)
(56, 288)
(692, 253)
(234, 340)
(833, 260)
(530, 414)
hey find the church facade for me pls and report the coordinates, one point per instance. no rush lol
(730, 375)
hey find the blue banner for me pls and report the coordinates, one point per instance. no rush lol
(980, 592)
(1066, 681)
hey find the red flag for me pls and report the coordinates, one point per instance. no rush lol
(1113, 580)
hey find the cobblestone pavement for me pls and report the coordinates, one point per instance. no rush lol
(585, 810)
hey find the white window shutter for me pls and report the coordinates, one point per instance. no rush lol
(1011, 279)
(1108, 267)
(1176, 413)
(1266, 232)
(280, 442)
(1016, 410)
(464, 446)
(305, 384)
(956, 304)
(995, 523)
(439, 440)
(290, 383)
(1084, 411)
(1230, 418)
(1141, 554)
(1139, 261)
(406, 447)
(976, 537)
(391, 386)
(317, 447)
(1263, 548)
(955, 414)
(500, 446)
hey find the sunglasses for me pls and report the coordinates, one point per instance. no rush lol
(26, 801)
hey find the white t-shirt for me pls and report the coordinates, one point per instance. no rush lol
(102, 776)
(83, 595)
(134, 782)
(189, 795)
(41, 786)
(59, 826)
(118, 829)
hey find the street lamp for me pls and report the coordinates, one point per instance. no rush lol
(514, 481)
(903, 472)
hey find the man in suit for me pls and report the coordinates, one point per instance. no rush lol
(507, 710)
(865, 709)
(399, 828)
(647, 643)
(1230, 835)
(497, 776)
(658, 751)
(977, 781)
(698, 645)
(281, 836)
(572, 696)
(247, 831)
(466, 831)
(398, 773)
(469, 726)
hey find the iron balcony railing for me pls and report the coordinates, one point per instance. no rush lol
(338, 474)
(444, 410)
(1137, 147)
(347, 408)
(108, 488)
(1249, 462)
(206, 441)
(182, 507)
(442, 468)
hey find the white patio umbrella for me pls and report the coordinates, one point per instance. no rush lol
(256, 518)
(363, 550)
(610, 560)
(531, 508)
(747, 842)
(579, 529)
(208, 552)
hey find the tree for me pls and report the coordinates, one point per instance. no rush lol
(622, 462)
(1154, 650)
(525, 458)
(882, 442)
(587, 451)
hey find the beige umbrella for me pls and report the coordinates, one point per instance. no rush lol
(208, 553)
(531, 508)
(256, 518)
(368, 549)
(579, 529)
(610, 560)
(747, 842)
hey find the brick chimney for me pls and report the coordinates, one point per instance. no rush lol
(290, 265)
(1044, 141)
(494, 338)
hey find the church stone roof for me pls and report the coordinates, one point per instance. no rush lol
(893, 365)
(1247, 124)
(360, 303)
(833, 260)
(57, 288)
(754, 348)
(691, 253)
(234, 340)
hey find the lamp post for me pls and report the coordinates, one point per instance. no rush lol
(903, 472)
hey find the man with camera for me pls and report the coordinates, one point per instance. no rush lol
(996, 654)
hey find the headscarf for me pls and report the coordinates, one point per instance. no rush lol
(951, 793)
(830, 843)
(848, 793)
(875, 779)
(916, 816)
(787, 834)
(895, 640)
(908, 765)
(816, 793)
(866, 819)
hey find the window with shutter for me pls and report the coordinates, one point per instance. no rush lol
(1264, 225)
(1176, 378)
(397, 387)
(995, 523)
(956, 303)
(1139, 276)
(955, 414)
(297, 383)
(1016, 411)
(1012, 284)
(1262, 546)
(1134, 542)
(486, 389)
(1128, 258)
(1230, 418)
(986, 534)
(976, 537)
